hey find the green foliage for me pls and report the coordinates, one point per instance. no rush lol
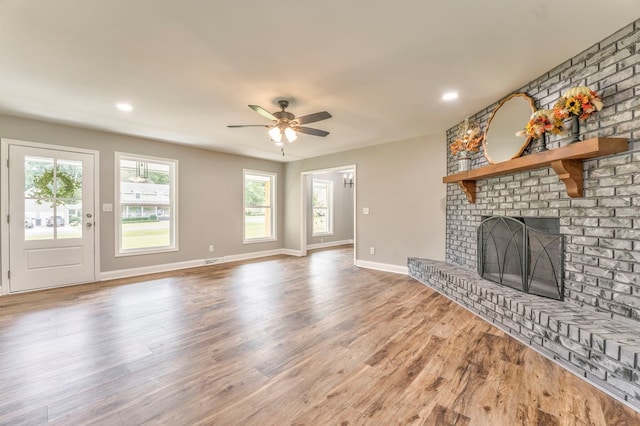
(159, 178)
(140, 219)
(255, 193)
(67, 186)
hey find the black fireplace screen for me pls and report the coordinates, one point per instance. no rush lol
(523, 253)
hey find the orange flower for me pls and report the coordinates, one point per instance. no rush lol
(542, 121)
(468, 139)
(578, 101)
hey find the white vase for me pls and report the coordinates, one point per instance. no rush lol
(464, 162)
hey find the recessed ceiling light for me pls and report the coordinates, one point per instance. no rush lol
(123, 106)
(450, 96)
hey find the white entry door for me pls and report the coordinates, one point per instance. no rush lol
(51, 217)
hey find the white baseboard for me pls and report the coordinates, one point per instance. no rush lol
(166, 267)
(386, 267)
(253, 255)
(329, 244)
(152, 269)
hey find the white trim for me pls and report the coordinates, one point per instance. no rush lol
(386, 267)
(152, 269)
(290, 252)
(273, 204)
(253, 255)
(4, 202)
(4, 207)
(303, 207)
(329, 244)
(167, 267)
(329, 209)
(173, 206)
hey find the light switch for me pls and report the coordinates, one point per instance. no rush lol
(107, 207)
(365, 210)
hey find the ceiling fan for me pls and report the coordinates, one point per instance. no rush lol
(285, 125)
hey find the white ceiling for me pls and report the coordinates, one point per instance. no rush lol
(191, 67)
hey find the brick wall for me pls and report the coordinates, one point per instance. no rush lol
(602, 230)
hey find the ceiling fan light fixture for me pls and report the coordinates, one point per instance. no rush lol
(290, 134)
(285, 126)
(276, 134)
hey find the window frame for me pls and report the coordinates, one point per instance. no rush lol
(273, 177)
(329, 209)
(173, 205)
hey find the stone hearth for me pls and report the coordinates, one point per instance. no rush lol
(585, 342)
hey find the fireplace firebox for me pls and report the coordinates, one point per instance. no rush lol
(523, 253)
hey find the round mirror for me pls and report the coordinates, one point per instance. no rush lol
(510, 116)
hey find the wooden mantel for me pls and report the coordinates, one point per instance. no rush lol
(565, 161)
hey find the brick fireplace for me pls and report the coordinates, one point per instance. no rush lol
(594, 332)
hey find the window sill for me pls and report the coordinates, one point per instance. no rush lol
(259, 240)
(142, 252)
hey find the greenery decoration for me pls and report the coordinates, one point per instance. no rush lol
(67, 186)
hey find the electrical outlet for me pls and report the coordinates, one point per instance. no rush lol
(372, 250)
(211, 248)
(321, 240)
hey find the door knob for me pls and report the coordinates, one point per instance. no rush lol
(89, 215)
(89, 224)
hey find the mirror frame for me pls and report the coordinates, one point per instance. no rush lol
(493, 113)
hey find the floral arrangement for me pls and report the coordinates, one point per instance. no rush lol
(579, 101)
(542, 121)
(468, 138)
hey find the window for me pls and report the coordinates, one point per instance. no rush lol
(146, 189)
(322, 207)
(259, 210)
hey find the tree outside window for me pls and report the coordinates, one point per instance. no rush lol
(322, 207)
(146, 204)
(259, 201)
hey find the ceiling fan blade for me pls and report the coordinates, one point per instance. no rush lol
(311, 118)
(310, 131)
(263, 112)
(248, 125)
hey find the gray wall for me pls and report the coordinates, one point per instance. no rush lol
(210, 191)
(401, 184)
(342, 209)
(602, 230)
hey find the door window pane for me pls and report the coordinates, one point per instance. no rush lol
(53, 187)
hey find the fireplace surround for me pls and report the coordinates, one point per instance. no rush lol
(594, 331)
(525, 254)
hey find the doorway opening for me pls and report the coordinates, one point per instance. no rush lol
(328, 198)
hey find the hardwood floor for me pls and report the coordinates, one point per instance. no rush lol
(304, 341)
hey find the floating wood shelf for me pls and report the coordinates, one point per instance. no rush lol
(565, 161)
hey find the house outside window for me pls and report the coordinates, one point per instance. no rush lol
(322, 199)
(259, 206)
(146, 189)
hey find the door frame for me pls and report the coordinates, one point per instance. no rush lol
(303, 208)
(4, 203)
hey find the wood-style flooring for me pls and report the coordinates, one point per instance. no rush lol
(280, 341)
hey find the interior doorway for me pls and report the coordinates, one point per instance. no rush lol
(328, 198)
